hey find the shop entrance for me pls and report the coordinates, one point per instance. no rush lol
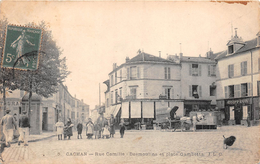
(238, 115)
(44, 119)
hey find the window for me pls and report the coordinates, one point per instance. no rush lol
(133, 92)
(111, 97)
(120, 75)
(211, 70)
(115, 77)
(231, 91)
(244, 68)
(120, 93)
(195, 70)
(116, 96)
(111, 80)
(230, 49)
(133, 73)
(212, 90)
(168, 93)
(226, 92)
(195, 91)
(244, 90)
(167, 73)
(72, 115)
(231, 70)
(77, 114)
(107, 102)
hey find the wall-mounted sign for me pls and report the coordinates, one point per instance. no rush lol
(239, 101)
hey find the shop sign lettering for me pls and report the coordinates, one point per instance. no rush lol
(239, 101)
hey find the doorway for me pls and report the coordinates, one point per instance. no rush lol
(238, 115)
(45, 119)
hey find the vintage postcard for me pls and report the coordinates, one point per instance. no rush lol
(129, 82)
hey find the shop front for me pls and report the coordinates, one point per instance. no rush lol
(238, 111)
(196, 106)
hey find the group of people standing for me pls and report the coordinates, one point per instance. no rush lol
(10, 128)
(102, 128)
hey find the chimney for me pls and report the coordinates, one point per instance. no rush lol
(114, 66)
(181, 54)
(159, 54)
(127, 59)
(209, 53)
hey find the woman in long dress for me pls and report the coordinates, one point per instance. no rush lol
(112, 126)
(68, 129)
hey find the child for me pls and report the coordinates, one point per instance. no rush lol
(106, 132)
(122, 128)
(96, 130)
(89, 129)
(59, 126)
(79, 129)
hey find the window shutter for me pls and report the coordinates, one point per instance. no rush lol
(199, 70)
(208, 70)
(138, 73)
(232, 70)
(249, 89)
(245, 68)
(226, 92)
(190, 90)
(128, 73)
(238, 90)
(190, 69)
(172, 93)
(200, 91)
(242, 69)
(229, 71)
(169, 73)
(165, 72)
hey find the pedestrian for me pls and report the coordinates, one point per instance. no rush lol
(60, 126)
(122, 128)
(68, 129)
(96, 130)
(90, 129)
(112, 126)
(8, 124)
(24, 125)
(79, 129)
(106, 132)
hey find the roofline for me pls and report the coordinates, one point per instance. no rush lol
(237, 53)
(143, 62)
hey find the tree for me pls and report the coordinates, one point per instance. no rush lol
(52, 69)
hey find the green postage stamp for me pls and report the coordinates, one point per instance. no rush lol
(22, 47)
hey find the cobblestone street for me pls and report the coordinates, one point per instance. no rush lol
(144, 147)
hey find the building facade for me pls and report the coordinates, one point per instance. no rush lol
(45, 112)
(145, 83)
(238, 81)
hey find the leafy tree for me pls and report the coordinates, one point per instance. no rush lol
(52, 69)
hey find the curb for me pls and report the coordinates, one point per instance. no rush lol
(35, 140)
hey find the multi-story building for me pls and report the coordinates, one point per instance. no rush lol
(146, 83)
(238, 80)
(45, 112)
(198, 88)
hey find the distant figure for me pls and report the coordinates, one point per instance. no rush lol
(96, 130)
(89, 129)
(8, 123)
(106, 132)
(60, 126)
(68, 129)
(112, 126)
(79, 129)
(24, 125)
(122, 128)
(20, 43)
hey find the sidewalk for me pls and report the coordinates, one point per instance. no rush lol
(39, 137)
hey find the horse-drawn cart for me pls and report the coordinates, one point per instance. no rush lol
(167, 119)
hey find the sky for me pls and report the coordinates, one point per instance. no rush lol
(94, 35)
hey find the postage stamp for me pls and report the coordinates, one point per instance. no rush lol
(21, 47)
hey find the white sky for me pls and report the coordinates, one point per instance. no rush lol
(94, 35)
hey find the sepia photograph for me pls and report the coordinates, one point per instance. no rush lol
(135, 82)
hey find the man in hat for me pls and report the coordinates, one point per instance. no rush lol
(24, 129)
(8, 124)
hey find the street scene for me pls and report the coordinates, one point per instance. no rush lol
(130, 82)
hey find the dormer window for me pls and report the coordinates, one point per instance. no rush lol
(230, 49)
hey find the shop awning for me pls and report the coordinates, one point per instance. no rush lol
(148, 109)
(117, 108)
(125, 110)
(136, 109)
(109, 111)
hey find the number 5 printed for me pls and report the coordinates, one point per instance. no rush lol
(9, 58)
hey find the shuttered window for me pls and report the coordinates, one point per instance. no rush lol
(226, 91)
(243, 68)
(230, 70)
